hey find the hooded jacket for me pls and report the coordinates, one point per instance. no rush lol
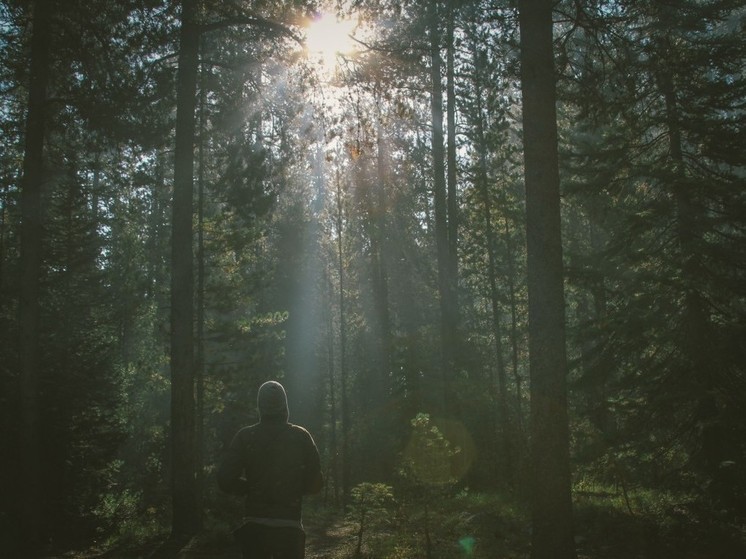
(273, 463)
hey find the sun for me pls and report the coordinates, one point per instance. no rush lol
(328, 36)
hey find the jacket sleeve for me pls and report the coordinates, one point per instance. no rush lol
(231, 469)
(314, 480)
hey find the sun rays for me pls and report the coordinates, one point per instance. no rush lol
(328, 36)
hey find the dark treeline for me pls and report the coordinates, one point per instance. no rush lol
(496, 248)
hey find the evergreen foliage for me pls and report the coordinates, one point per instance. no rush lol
(319, 260)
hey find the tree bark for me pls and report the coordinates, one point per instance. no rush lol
(346, 465)
(451, 174)
(199, 431)
(379, 261)
(551, 503)
(447, 324)
(183, 485)
(30, 501)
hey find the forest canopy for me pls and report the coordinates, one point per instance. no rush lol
(495, 251)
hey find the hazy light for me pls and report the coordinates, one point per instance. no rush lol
(327, 37)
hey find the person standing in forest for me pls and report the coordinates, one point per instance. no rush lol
(274, 464)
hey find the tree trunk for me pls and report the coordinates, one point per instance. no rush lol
(509, 256)
(183, 486)
(452, 176)
(3, 228)
(379, 268)
(346, 469)
(447, 325)
(551, 503)
(331, 369)
(481, 183)
(379, 455)
(199, 431)
(30, 500)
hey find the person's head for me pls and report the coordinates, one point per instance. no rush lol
(272, 401)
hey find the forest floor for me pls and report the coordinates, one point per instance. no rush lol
(602, 532)
(326, 538)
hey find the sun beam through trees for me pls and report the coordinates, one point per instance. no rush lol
(494, 251)
(329, 36)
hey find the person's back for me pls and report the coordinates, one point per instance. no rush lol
(273, 464)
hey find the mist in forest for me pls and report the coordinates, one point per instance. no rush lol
(494, 251)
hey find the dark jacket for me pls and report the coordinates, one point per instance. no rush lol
(273, 463)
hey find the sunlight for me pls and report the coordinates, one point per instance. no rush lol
(328, 36)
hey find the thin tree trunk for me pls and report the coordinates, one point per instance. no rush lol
(489, 230)
(452, 176)
(199, 458)
(346, 466)
(185, 516)
(156, 228)
(379, 455)
(441, 218)
(551, 503)
(333, 439)
(30, 479)
(509, 256)
(380, 272)
(3, 218)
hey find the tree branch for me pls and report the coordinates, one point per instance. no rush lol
(269, 25)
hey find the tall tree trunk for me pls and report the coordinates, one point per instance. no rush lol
(447, 325)
(346, 466)
(30, 505)
(199, 430)
(452, 176)
(381, 273)
(185, 514)
(379, 455)
(3, 228)
(551, 503)
(331, 369)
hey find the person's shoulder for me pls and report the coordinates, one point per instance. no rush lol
(299, 431)
(246, 432)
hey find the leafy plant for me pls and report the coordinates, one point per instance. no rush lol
(371, 503)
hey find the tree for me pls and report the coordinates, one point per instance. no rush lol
(186, 517)
(31, 261)
(656, 111)
(446, 290)
(551, 504)
(484, 201)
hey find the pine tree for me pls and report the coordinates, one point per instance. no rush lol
(551, 505)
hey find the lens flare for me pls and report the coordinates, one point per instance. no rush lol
(467, 544)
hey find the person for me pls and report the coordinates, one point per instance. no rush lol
(273, 463)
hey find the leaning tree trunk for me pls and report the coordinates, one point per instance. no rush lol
(30, 500)
(551, 504)
(186, 517)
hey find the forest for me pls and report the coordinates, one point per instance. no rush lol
(495, 250)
